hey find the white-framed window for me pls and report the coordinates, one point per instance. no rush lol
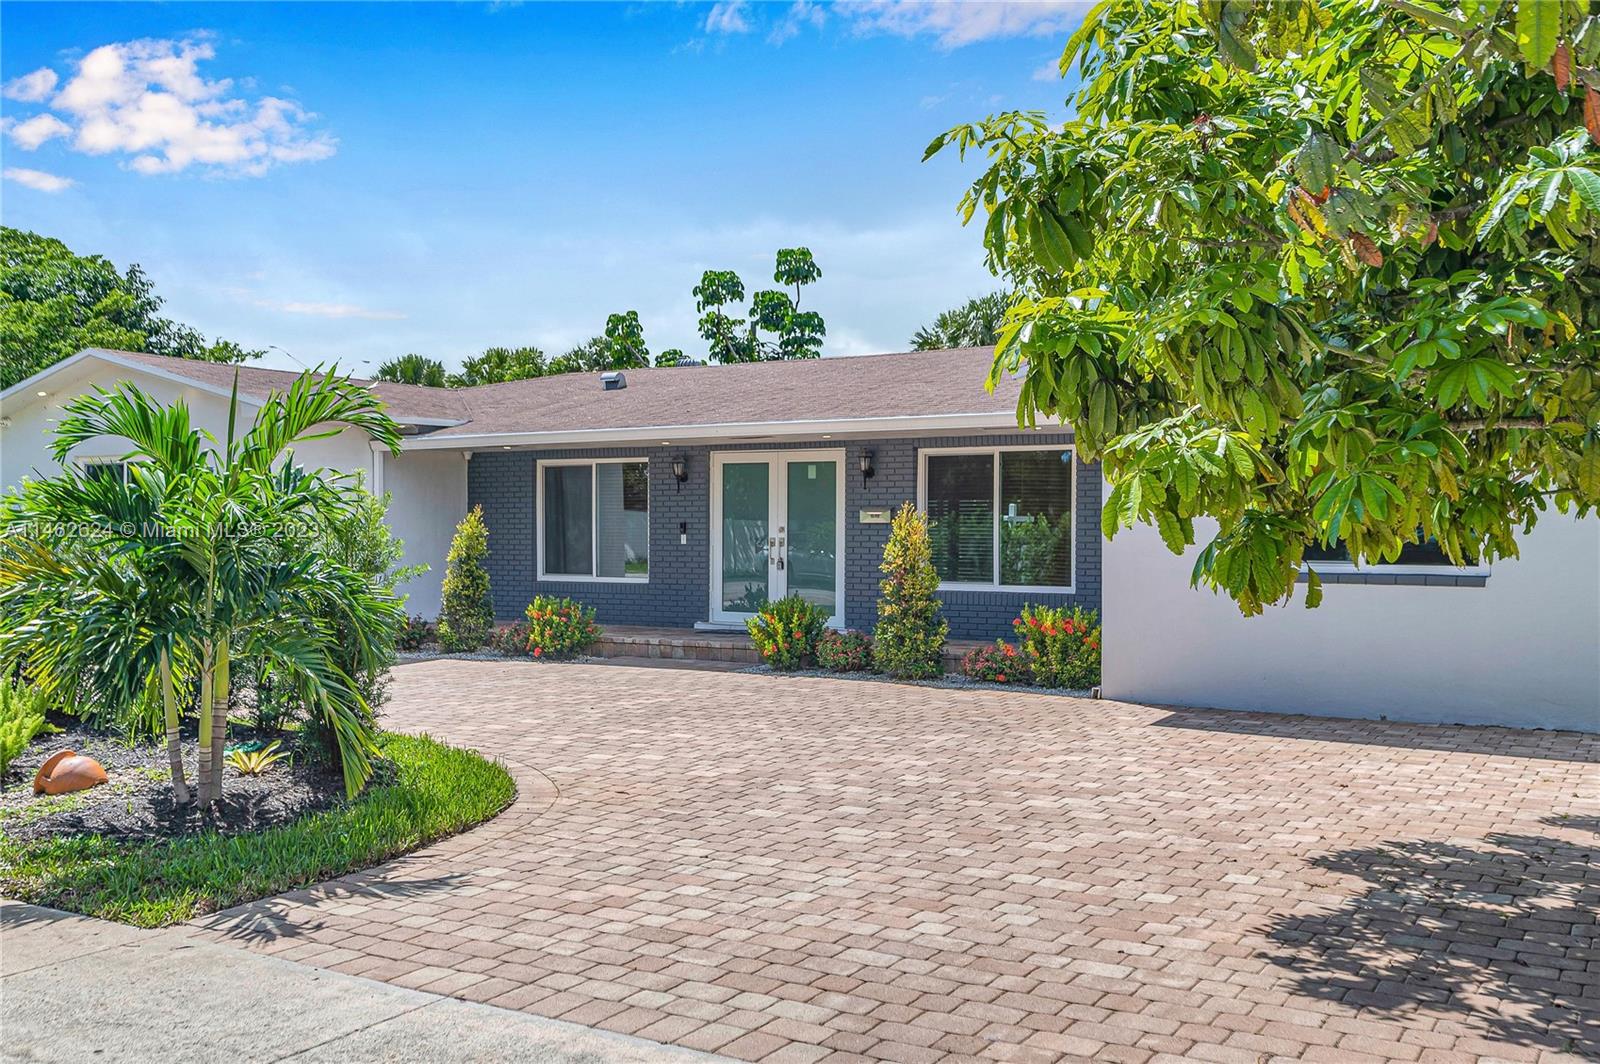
(112, 468)
(594, 519)
(1000, 518)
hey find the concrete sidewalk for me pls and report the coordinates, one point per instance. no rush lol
(73, 988)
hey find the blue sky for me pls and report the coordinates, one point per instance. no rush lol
(349, 182)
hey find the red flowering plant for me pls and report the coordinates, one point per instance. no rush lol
(786, 632)
(560, 627)
(1061, 646)
(417, 632)
(512, 640)
(844, 651)
(1000, 663)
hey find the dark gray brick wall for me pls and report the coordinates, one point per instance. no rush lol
(678, 591)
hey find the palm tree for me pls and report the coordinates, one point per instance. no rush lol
(975, 323)
(413, 369)
(220, 563)
(500, 364)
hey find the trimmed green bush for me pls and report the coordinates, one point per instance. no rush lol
(467, 614)
(785, 632)
(1062, 646)
(909, 640)
(559, 627)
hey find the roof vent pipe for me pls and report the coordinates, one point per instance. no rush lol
(613, 381)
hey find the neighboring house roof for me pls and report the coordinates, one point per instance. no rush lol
(407, 403)
(941, 390)
(404, 402)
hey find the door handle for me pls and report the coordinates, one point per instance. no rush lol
(780, 552)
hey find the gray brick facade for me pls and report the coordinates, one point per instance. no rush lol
(677, 593)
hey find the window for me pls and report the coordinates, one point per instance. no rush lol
(594, 520)
(1000, 517)
(105, 469)
(1425, 555)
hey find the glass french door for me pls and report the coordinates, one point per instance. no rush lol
(777, 528)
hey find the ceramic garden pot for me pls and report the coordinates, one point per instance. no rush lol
(68, 771)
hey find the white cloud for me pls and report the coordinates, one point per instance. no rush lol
(31, 133)
(728, 16)
(957, 24)
(31, 88)
(147, 100)
(1051, 71)
(801, 13)
(38, 179)
(339, 310)
(315, 309)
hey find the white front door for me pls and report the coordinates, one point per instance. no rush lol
(777, 528)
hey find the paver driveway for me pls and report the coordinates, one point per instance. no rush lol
(802, 869)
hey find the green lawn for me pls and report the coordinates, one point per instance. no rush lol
(437, 791)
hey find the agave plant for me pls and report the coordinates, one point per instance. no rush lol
(202, 554)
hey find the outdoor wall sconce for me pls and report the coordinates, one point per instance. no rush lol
(680, 470)
(866, 468)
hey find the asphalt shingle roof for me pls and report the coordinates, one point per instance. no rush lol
(907, 384)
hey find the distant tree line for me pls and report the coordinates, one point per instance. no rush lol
(54, 303)
(773, 328)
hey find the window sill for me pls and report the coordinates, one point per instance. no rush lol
(562, 578)
(1403, 576)
(1008, 589)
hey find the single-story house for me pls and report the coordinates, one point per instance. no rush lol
(683, 497)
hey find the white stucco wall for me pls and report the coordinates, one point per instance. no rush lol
(427, 499)
(1523, 650)
(429, 489)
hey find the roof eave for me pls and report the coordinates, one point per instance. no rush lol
(896, 425)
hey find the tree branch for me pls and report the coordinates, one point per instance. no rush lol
(1416, 94)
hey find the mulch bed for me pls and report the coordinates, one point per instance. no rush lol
(137, 803)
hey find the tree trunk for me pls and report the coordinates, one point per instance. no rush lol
(207, 771)
(219, 715)
(169, 704)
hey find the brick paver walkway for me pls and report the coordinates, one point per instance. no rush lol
(806, 869)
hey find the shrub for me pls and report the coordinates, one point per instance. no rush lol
(512, 639)
(909, 640)
(467, 614)
(844, 651)
(21, 718)
(559, 627)
(418, 632)
(1062, 646)
(786, 632)
(1000, 663)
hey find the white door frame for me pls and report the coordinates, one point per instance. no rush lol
(777, 517)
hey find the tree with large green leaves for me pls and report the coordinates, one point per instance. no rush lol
(1324, 272)
(54, 303)
(206, 552)
(790, 332)
(975, 323)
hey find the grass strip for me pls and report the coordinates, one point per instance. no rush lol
(437, 790)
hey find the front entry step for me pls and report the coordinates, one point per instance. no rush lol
(678, 644)
(689, 645)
